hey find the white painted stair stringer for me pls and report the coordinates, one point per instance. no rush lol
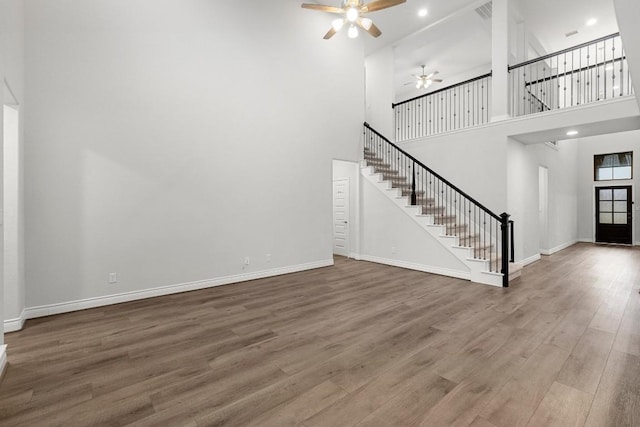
(478, 268)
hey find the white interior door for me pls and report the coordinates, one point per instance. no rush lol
(341, 217)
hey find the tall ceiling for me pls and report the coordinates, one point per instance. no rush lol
(455, 40)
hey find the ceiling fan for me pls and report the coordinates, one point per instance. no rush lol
(423, 81)
(353, 12)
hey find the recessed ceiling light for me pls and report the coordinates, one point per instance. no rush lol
(422, 13)
(572, 133)
(591, 22)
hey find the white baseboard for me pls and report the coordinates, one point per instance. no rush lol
(558, 248)
(3, 359)
(66, 307)
(530, 260)
(465, 275)
(592, 241)
(12, 325)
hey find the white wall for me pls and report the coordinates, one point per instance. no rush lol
(627, 12)
(502, 173)
(523, 170)
(391, 236)
(500, 60)
(587, 148)
(562, 165)
(473, 160)
(11, 93)
(3, 48)
(380, 91)
(169, 139)
(522, 196)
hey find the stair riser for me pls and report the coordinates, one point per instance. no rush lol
(399, 180)
(407, 191)
(432, 211)
(390, 175)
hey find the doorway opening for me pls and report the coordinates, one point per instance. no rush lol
(11, 216)
(543, 209)
(345, 208)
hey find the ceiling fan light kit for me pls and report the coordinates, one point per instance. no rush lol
(423, 84)
(353, 32)
(425, 80)
(353, 12)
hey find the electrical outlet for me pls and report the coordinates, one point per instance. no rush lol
(247, 260)
(268, 257)
(394, 250)
(113, 277)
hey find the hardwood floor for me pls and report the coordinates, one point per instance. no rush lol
(354, 344)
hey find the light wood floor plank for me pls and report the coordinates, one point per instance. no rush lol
(520, 396)
(617, 401)
(587, 360)
(562, 406)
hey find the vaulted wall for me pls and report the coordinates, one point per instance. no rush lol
(170, 140)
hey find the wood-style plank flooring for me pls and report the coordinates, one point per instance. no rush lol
(357, 344)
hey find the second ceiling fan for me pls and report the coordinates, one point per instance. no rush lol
(424, 80)
(353, 12)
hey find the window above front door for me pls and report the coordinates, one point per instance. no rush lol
(613, 166)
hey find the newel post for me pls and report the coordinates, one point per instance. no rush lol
(414, 199)
(504, 233)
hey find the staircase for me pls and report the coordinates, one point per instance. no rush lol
(475, 235)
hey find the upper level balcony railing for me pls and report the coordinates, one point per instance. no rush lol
(583, 74)
(586, 73)
(454, 107)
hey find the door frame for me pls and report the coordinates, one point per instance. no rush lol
(347, 247)
(349, 169)
(543, 209)
(613, 183)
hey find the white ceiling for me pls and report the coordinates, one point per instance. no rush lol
(454, 40)
(550, 20)
(458, 47)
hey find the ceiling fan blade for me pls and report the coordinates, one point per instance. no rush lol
(436, 80)
(373, 30)
(381, 4)
(409, 83)
(432, 74)
(332, 32)
(322, 8)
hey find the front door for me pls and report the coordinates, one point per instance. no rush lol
(613, 214)
(341, 217)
